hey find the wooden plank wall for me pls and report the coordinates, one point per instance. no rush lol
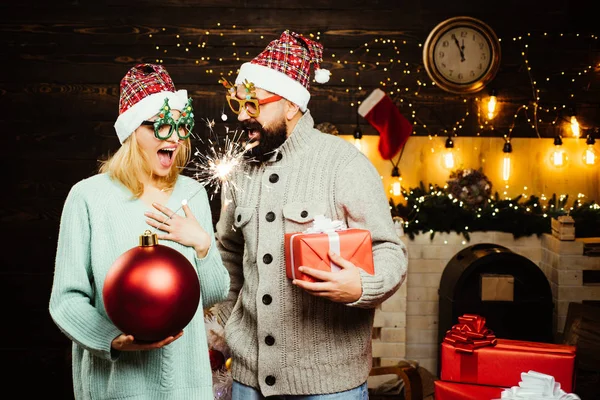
(62, 61)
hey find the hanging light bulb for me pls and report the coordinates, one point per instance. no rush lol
(506, 161)
(575, 124)
(558, 158)
(448, 158)
(396, 187)
(492, 102)
(589, 155)
(357, 137)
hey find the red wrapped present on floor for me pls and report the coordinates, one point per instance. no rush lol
(462, 391)
(472, 354)
(310, 248)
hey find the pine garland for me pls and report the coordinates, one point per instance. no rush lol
(437, 210)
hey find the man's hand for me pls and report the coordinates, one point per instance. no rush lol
(343, 286)
(128, 343)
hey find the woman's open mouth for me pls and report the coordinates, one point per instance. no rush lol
(166, 156)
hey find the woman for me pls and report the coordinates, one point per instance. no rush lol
(138, 188)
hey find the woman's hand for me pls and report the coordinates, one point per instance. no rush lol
(128, 343)
(184, 230)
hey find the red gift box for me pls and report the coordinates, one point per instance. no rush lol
(471, 354)
(462, 391)
(310, 250)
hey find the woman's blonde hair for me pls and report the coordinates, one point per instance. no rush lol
(130, 164)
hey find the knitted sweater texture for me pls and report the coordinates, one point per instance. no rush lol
(100, 221)
(284, 340)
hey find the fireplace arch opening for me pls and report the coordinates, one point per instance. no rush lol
(506, 288)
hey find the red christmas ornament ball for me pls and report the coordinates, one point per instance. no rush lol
(217, 359)
(151, 291)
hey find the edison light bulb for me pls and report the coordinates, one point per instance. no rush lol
(558, 158)
(506, 161)
(506, 167)
(448, 158)
(396, 186)
(589, 155)
(575, 127)
(492, 106)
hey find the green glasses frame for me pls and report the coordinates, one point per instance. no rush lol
(165, 117)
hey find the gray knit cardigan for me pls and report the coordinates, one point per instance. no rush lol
(284, 340)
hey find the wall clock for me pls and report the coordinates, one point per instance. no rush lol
(461, 55)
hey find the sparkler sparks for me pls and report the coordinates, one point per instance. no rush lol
(222, 159)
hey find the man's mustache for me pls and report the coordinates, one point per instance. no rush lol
(249, 126)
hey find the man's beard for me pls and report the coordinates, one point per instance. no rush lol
(269, 139)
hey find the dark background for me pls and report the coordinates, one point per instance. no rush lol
(62, 61)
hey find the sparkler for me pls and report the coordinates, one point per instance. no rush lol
(224, 157)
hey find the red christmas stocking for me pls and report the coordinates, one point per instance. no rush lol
(381, 112)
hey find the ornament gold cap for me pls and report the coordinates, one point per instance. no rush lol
(148, 239)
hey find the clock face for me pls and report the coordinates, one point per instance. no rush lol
(462, 55)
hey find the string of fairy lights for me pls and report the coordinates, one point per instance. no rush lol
(387, 53)
(380, 48)
(405, 82)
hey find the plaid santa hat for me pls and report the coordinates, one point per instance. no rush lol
(283, 68)
(143, 92)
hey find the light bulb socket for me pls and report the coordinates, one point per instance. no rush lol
(590, 140)
(395, 172)
(558, 141)
(572, 112)
(507, 147)
(449, 143)
(357, 133)
(494, 92)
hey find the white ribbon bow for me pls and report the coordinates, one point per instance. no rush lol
(537, 386)
(322, 224)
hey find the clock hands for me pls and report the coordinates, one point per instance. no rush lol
(460, 48)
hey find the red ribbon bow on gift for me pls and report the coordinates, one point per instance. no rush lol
(469, 334)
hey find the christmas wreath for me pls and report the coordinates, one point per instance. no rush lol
(470, 186)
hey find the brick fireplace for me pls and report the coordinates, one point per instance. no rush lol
(406, 325)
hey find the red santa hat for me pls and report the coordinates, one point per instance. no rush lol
(283, 68)
(143, 91)
(381, 112)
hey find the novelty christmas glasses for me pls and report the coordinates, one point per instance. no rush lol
(250, 102)
(166, 124)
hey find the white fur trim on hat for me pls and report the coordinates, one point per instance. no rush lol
(146, 108)
(275, 82)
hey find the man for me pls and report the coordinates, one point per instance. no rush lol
(296, 337)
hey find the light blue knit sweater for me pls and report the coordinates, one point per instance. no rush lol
(100, 221)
